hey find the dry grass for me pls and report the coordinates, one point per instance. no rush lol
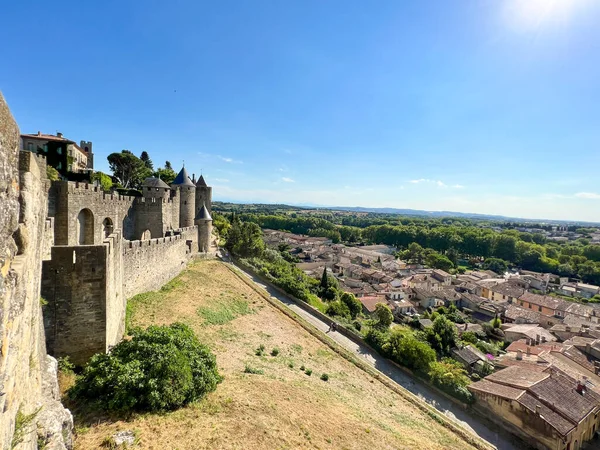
(281, 408)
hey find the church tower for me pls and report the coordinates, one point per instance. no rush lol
(187, 198)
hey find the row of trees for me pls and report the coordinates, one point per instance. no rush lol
(442, 246)
(129, 171)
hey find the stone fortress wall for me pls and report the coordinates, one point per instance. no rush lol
(85, 252)
(28, 380)
(148, 265)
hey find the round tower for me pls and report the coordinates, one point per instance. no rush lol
(187, 198)
(204, 222)
(156, 188)
(203, 196)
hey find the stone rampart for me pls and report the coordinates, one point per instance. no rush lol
(27, 374)
(148, 265)
(68, 199)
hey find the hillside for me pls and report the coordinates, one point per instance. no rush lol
(280, 407)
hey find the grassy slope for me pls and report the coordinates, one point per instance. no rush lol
(283, 407)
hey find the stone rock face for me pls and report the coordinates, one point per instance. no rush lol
(27, 377)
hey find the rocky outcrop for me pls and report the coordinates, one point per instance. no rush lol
(27, 375)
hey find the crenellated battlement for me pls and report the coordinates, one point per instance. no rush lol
(147, 200)
(80, 188)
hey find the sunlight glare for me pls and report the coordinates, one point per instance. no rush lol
(526, 15)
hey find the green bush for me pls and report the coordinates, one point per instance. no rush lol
(160, 368)
(275, 352)
(308, 372)
(324, 377)
(252, 370)
(260, 350)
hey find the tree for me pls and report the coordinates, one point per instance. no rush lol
(324, 280)
(383, 316)
(352, 303)
(410, 352)
(495, 265)
(244, 239)
(146, 160)
(105, 181)
(438, 261)
(128, 169)
(168, 165)
(167, 175)
(442, 335)
(161, 368)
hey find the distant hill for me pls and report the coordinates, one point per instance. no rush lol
(408, 212)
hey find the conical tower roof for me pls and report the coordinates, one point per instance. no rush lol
(203, 213)
(201, 182)
(155, 183)
(182, 179)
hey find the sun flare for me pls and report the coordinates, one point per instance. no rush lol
(533, 14)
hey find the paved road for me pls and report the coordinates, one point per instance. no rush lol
(497, 437)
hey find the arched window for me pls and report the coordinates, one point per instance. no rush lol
(107, 225)
(146, 235)
(85, 227)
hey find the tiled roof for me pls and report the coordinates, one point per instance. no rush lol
(203, 213)
(544, 300)
(155, 183)
(517, 377)
(182, 179)
(500, 390)
(469, 354)
(554, 419)
(559, 392)
(508, 289)
(514, 312)
(47, 137)
(201, 182)
(371, 302)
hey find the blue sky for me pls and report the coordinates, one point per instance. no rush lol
(473, 105)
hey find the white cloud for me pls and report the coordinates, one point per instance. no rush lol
(229, 160)
(591, 195)
(222, 180)
(287, 180)
(438, 183)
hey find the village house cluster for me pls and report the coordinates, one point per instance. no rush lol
(545, 387)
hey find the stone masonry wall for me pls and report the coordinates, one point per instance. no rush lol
(27, 374)
(74, 285)
(148, 265)
(68, 199)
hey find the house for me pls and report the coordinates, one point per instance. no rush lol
(369, 302)
(579, 290)
(444, 278)
(61, 153)
(527, 331)
(536, 280)
(422, 281)
(548, 409)
(517, 314)
(402, 307)
(427, 298)
(506, 291)
(545, 304)
(471, 358)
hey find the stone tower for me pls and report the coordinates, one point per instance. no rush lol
(156, 188)
(86, 146)
(187, 198)
(203, 196)
(204, 222)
